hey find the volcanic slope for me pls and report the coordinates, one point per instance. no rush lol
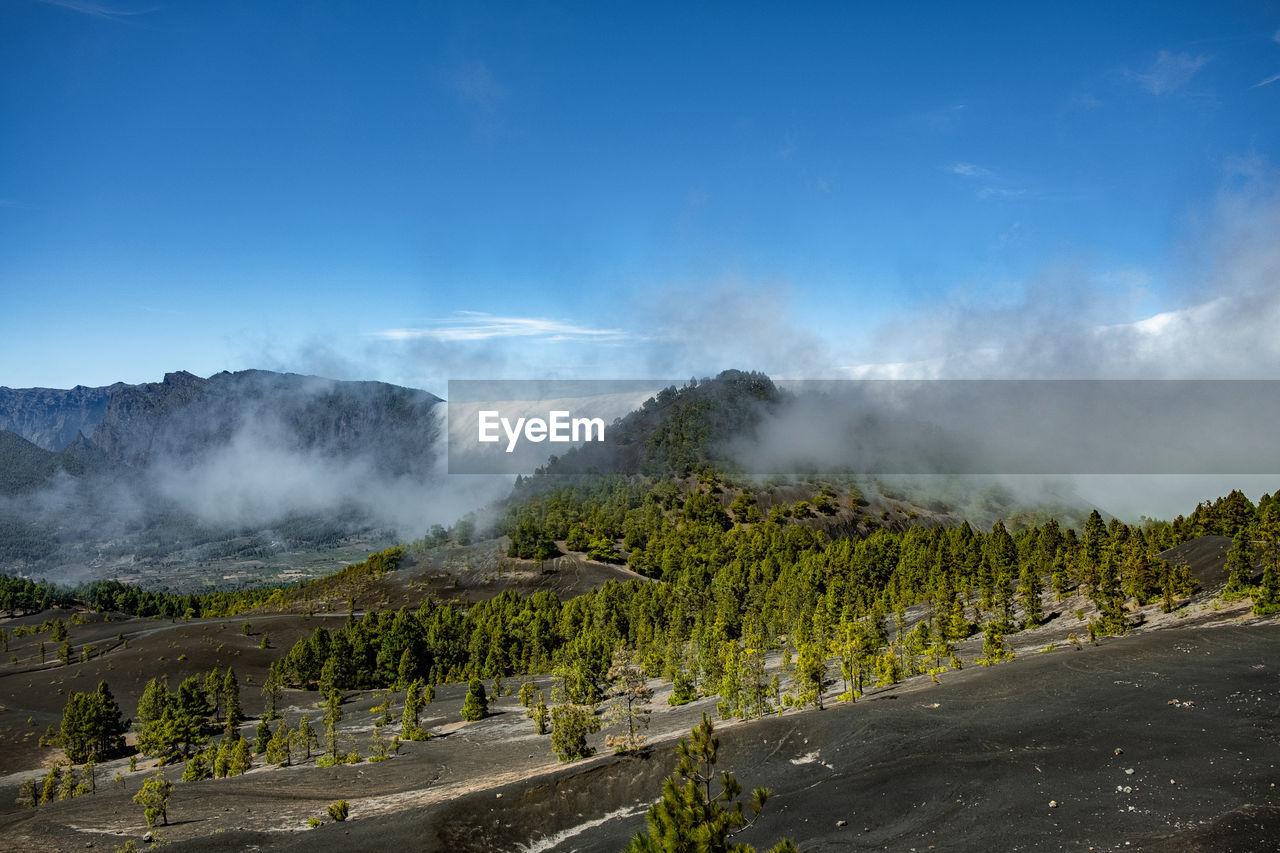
(1022, 755)
(1161, 741)
(1070, 750)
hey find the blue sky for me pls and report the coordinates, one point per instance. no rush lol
(417, 192)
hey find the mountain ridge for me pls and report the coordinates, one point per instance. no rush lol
(52, 418)
(247, 463)
(125, 421)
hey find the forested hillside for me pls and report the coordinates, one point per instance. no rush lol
(735, 586)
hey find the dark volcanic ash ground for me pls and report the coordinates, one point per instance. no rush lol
(1067, 750)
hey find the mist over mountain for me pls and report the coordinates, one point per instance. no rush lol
(190, 472)
(191, 469)
(186, 417)
(743, 424)
(678, 430)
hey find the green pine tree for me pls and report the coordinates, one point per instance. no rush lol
(154, 799)
(1239, 568)
(539, 714)
(570, 726)
(278, 751)
(91, 725)
(197, 768)
(476, 704)
(1029, 589)
(413, 702)
(332, 716)
(1267, 601)
(262, 736)
(306, 737)
(231, 701)
(241, 758)
(700, 810)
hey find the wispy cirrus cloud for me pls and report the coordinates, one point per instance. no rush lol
(479, 326)
(969, 170)
(1169, 72)
(1267, 82)
(992, 186)
(97, 10)
(943, 119)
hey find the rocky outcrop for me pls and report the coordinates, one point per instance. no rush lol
(185, 417)
(53, 418)
(188, 467)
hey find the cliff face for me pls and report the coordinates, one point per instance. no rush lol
(26, 466)
(174, 471)
(185, 417)
(53, 418)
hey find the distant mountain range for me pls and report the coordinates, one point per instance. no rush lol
(90, 476)
(52, 418)
(186, 417)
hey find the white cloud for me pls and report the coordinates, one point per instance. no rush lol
(1223, 309)
(944, 119)
(478, 326)
(927, 369)
(1209, 310)
(1169, 73)
(991, 186)
(707, 326)
(1267, 82)
(95, 10)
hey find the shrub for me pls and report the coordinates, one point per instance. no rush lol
(570, 725)
(476, 704)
